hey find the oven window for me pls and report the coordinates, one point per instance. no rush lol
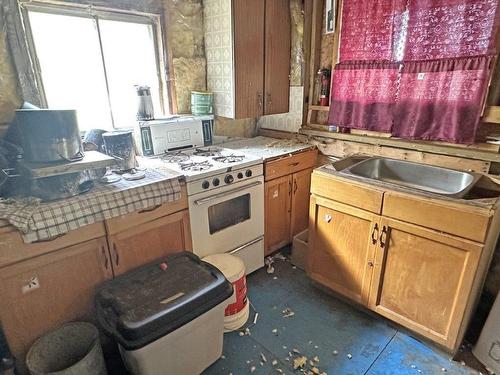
(228, 213)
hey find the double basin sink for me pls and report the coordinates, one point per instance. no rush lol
(437, 180)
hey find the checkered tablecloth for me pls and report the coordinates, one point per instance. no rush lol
(41, 221)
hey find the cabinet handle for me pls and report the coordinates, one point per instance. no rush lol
(259, 100)
(383, 237)
(328, 218)
(103, 252)
(289, 187)
(295, 187)
(117, 255)
(269, 100)
(150, 209)
(370, 263)
(375, 236)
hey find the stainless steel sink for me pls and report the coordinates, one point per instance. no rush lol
(428, 178)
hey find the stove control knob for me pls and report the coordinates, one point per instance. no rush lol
(248, 173)
(205, 184)
(228, 179)
(240, 175)
(216, 182)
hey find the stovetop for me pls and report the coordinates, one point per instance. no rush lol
(200, 163)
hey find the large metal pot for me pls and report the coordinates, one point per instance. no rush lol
(49, 135)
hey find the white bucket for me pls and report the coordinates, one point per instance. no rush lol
(237, 310)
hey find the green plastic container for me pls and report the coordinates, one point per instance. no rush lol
(201, 103)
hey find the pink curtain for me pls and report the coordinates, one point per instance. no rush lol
(371, 29)
(440, 29)
(363, 96)
(441, 100)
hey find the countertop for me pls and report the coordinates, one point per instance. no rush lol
(266, 147)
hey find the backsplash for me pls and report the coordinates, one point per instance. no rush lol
(291, 121)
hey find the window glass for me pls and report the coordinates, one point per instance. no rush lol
(70, 60)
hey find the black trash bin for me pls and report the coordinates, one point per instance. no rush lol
(168, 316)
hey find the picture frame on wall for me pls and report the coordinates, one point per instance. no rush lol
(330, 16)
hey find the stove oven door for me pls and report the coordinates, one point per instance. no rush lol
(230, 219)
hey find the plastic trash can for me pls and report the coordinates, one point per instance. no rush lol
(72, 349)
(168, 316)
(487, 348)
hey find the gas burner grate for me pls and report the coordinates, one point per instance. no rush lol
(174, 157)
(229, 158)
(196, 166)
(210, 151)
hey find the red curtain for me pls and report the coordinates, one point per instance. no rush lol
(364, 93)
(440, 29)
(441, 99)
(371, 29)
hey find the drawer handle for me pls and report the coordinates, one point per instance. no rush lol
(375, 236)
(294, 164)
(103, 252)
(383, 237)
(150, 209)
(117, 255)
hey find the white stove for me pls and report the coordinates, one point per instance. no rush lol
(226, 201)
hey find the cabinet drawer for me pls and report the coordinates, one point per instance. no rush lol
(13, 249)
(461, 221)
(347, 192)
(121, 223)
(290, 164)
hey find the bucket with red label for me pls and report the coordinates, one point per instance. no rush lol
(233, 268)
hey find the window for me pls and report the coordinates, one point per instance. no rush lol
(90, 61)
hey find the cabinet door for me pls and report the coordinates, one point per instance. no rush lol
(341, 245)
(300, 201)
(277, 196)
(42, 293)
(150, 241)
(277, 57)
(422, 279)
(249, 57)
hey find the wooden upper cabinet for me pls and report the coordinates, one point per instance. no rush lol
(249, 57)
(247, 44)
(341, 244)
(150, 241)
(44, 292)
(423, 279)
(277, 56)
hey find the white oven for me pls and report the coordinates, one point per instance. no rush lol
(229, 219)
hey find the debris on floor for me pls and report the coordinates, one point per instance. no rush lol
(299, 362)
(287, 313)
(349, 356)
(269, 263)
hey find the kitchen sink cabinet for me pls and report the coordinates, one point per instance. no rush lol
(342, 261)
(412, 268)
(286, 198)
(46, 291)
(149, 241)
(422, 279)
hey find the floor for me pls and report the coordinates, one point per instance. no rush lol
(344, 339)
(335, 337)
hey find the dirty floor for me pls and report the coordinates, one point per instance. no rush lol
(335, 337)
(344, 339)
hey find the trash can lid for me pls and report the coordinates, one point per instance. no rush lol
(141, 306)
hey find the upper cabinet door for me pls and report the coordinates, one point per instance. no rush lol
(277, 57)
(423, 279)
(249, 57)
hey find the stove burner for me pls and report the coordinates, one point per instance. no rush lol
(229, 158)
(174, 157)
(210, 151)
(196, 167)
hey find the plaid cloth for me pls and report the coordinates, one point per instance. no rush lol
(42, 221)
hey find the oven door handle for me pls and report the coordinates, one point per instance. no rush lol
(246, 245)
(199, 202)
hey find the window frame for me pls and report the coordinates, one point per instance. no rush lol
(100, 13)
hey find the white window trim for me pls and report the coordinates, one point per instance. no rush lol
(96, 13)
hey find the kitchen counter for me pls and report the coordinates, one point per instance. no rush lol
(266, 147)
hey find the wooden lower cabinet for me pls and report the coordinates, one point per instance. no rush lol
(44, 292)
(277, 209)
(149, 241)
(423, 279)
(341, 248)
